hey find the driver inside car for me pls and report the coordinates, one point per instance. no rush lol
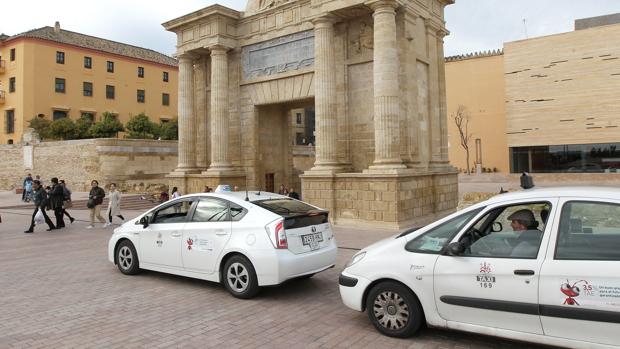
(524, 223)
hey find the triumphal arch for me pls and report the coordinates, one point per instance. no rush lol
(342, 99)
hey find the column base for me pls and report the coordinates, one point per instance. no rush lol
(223, 172)
(185, 170)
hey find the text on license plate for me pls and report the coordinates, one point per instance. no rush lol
(312, 240)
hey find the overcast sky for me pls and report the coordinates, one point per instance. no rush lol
(475, 25)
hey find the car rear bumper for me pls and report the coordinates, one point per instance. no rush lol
(352, 289)
(289, 265)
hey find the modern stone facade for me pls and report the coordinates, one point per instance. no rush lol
(370, 72)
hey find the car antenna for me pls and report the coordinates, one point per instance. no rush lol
(246, 189)
(502, 191)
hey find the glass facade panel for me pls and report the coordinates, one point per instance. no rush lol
(572, 158)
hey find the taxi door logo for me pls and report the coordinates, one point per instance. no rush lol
(190, 242)
(485, 278)
(159, 240)
(572, 291)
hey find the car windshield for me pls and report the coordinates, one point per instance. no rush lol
(286, 207)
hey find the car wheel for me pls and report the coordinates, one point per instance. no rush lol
(394, 310)
(127, 258)
(239, 277)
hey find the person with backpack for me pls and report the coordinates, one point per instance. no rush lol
(67, 203)
(40, 202)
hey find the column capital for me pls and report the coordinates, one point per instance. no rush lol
(186, 57)
(218, 49)
(382, 5)
(432, 27)
(324, 20)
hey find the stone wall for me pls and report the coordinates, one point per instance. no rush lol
(132, 164)
(386, 201)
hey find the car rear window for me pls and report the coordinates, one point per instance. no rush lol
(296, 213)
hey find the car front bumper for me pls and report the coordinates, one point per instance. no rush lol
(352, 288)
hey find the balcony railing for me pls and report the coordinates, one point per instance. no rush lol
(2, 65)
(1, 97)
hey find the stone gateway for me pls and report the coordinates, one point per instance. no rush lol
(344, 100)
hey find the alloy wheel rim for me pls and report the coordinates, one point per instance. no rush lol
(125, 257)
(238, 277)
(391, 310)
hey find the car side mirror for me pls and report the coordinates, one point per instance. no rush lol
(497, 227)
(144, 221)
(455, 249)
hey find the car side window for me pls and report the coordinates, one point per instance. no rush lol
(513, 231)
(589, 231)
(211, 210)
(173, 213)
(237, 212)
(434, 240)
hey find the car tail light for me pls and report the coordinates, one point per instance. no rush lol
(276, 232)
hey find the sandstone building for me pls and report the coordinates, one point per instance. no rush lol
(55, 73)
(545, 105)
(368, 74)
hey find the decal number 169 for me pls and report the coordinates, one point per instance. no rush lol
(486, 285)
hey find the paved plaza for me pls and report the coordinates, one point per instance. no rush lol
(60, 291)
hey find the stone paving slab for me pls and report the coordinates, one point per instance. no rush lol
(59, 291)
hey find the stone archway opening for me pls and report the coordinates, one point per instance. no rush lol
(286, 143)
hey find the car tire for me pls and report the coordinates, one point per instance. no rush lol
(239, 277)
(394, 310)
(127, 258)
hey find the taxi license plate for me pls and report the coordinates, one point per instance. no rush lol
(312, 240)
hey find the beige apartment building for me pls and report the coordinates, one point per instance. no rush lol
(55, 73)
(546, 105)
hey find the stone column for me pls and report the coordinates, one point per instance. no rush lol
(433, 87)
(220, 159)
(202, 137)
(386, 91)
(325, 95)
(187, 123)
(443, 113)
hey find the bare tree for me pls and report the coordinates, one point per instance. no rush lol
(461, 120)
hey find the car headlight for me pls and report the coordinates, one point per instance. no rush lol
(356, 258)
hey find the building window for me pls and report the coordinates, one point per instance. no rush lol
(165, 76)
(9, 124)
(12, 84)
(60, 85)
(164, 121)
(12, 55)
(165, 99)
(88, 89)
(88, 116)
(88, 62)
(109, 91)
(572, 158)
(10, 141)
(60, 57)
(298, 118)
(140, 72)
(110, 67)
(59, 114)
(140, 96)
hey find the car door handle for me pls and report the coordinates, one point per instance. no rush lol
(175, 234)
(524, 272)
(221, 233)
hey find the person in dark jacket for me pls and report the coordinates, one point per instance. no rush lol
(40, 201)
(57, 197)
(292, 193)
(67, 200)
(95, 196)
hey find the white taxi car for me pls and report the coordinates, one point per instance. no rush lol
(221, 237)
(541, 265)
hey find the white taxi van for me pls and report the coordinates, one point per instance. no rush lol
(243, 240)
(541, 265)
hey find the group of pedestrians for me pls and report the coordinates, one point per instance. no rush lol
(57, 197)
(290, 192)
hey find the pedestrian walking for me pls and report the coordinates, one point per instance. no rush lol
(95, 199)
(56, 198)
(40, 201)
(282, 190)
(176, 194)
(114, 204)
(27, 184)
(67, 203)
